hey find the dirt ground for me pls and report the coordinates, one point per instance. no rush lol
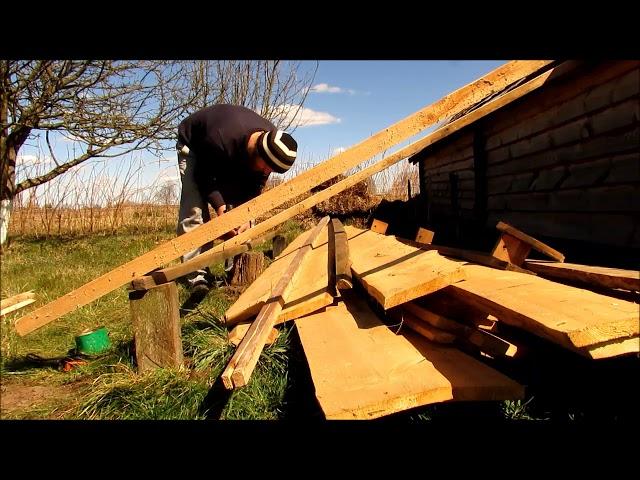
(18, 396)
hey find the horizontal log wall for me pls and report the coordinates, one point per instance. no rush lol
(562, 162)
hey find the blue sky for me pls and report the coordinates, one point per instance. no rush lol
(375, 94)
(349, 101)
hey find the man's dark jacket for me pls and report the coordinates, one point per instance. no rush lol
(218, 136)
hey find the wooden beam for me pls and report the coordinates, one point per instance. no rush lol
(449, 105)
(310, 293)
(571, 317)
(342, 262)
(246, 356)
(393, 272)
(424, 236)
(482, 339)
(587, 274)
(362, 370)
(505, 99)
(405, 317)
(13, 300)
(239, 331)
(445, 303)
(535, 244)
(156, 326)
(144, 283)
(169, 274)
(16, 306)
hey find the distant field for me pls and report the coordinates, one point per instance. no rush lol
(43, 222)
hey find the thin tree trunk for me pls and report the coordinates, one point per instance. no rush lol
(5, 216)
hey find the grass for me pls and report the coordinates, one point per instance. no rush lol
(113, 390)
(53, 267)
(182, 394)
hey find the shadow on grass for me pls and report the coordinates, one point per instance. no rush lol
(32, 361)
(299, 402)
(216, 400)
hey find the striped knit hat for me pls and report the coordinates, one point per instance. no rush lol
(278, 149)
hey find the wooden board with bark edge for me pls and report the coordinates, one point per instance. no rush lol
(362, 370)
(393, 272)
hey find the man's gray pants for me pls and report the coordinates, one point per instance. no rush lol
(193, 212)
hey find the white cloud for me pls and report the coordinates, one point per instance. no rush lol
(326, 88)
(305, 117)
(338, 150)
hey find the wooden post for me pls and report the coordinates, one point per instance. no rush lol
(510, 249)
(246, 268)
(156, 325)
(379, 226)
(424, 236)
(480, 177)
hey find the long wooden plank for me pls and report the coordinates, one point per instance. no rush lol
(590, 275)
(246, 356)
(172, 273)
(569, 316)
(20, 297)
(535, 244)
(362, 370)
(169, 274)
(393, 272)
(451, 104)
(309, 294)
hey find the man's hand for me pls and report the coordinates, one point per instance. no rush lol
(222, 209)
(242, 228)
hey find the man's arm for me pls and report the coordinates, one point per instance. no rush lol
(254, 188)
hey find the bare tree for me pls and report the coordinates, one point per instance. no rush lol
(167, 193)
(275, 89)
(112, 108)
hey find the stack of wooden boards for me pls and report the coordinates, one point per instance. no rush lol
(407, 334)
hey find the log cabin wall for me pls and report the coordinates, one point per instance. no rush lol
(561, 163)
